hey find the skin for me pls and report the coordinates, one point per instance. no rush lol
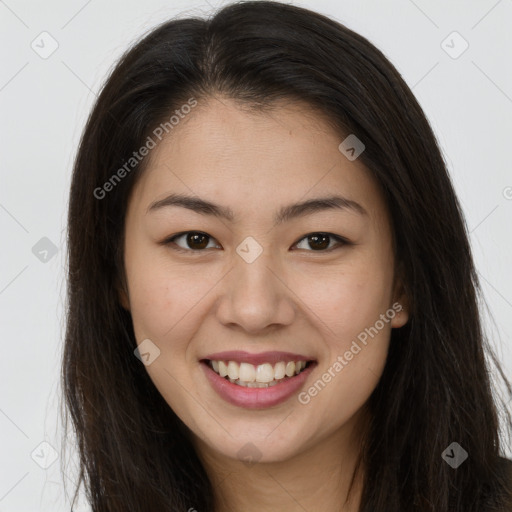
(291, 298)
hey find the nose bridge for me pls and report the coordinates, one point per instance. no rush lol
(254, 297)
(254, 284)
(255, 277)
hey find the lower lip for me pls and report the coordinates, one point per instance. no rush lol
(256, 398)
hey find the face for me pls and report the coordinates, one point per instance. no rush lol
(254, 246)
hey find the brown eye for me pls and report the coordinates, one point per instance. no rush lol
(191, 241)
(321, 241)
(197, 240)
(318, 242)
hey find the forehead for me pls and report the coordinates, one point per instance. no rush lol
(250, 160)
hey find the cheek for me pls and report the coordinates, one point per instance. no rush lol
(354, 359)
(163, 297)
(349, 305)
(346, 302)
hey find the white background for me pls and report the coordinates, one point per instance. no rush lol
(44, 104)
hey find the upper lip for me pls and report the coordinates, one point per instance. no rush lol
(240, 356)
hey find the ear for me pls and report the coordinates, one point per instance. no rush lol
(401, 302)
(122, 292)
(123, 299)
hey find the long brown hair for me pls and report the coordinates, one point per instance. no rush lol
(135, 453)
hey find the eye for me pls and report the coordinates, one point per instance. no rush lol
(197, 241)
(322, 241)
(194, 241)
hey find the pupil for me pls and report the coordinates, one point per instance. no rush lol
(321, 241)
(197, 240)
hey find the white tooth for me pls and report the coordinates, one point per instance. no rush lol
(290, 369)
(254, 384)
(223, 369)
(247, 372)
(279, 370)
(262, 376)
(233, 370)
(264, 373)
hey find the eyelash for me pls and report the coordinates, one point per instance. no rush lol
(171, 240)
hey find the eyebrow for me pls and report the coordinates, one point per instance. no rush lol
(285, 213)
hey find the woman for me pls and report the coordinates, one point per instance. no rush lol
(272, 298)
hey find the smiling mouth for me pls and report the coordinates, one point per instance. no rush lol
(258, 376)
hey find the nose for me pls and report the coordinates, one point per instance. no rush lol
(255, 297)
